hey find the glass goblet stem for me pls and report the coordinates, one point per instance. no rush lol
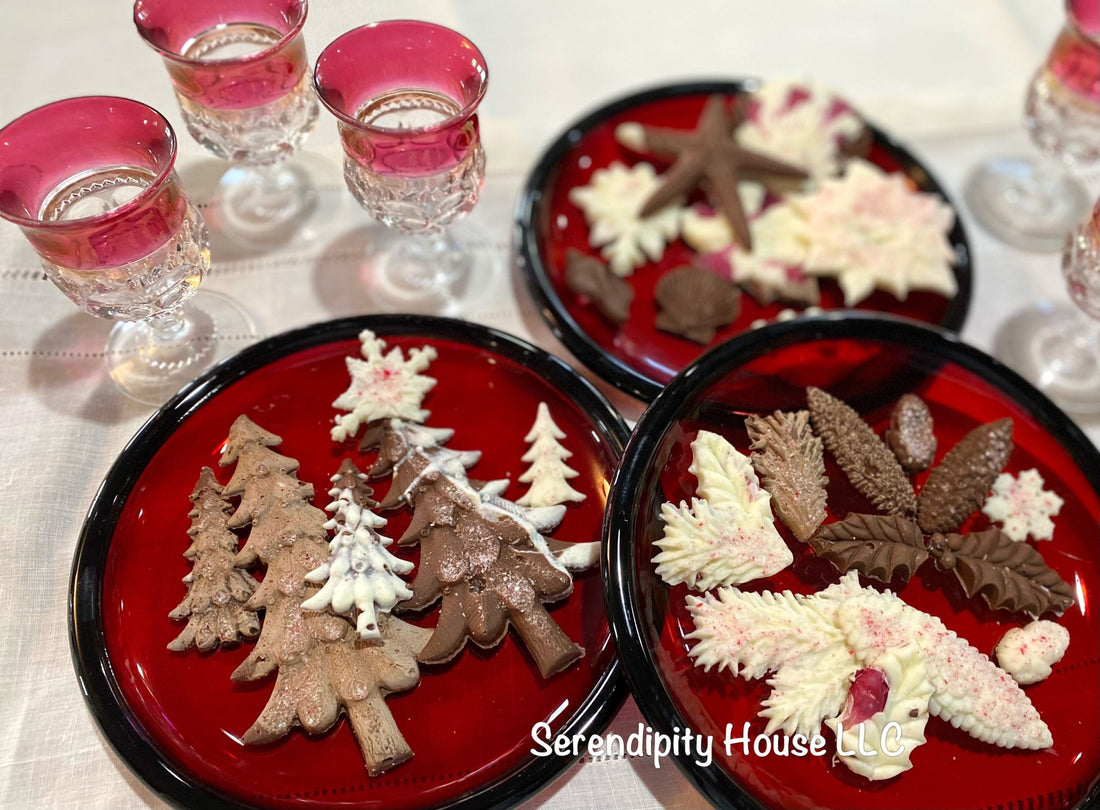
(170, 326)
(256, 196)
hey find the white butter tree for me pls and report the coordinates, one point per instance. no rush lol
(548, 474)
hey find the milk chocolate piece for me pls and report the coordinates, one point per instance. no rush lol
(863, 456)
(957, 486)
(590, 278)
(910, 434)
(217, 591)
(695, 303)
(324, 669)
(710, 156)
(1006, 574)
(789, 459)
(878, 546)
(482, 556)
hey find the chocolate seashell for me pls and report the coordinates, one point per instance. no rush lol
(695, 303)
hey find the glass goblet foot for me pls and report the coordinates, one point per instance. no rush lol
(440, 273)
(1025, 202)
(1057, 348)
(151, 360)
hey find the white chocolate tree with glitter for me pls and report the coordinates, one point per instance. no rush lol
(360, 572)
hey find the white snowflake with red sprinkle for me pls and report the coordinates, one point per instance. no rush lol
(384, 385)
(1022, 506)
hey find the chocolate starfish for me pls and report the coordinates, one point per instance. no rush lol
(710, 154)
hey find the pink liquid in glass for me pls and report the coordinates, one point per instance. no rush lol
(90, 181)
(228, 54)
(405, 94)
(1074, 61)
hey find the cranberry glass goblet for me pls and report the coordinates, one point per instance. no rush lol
(405, 95)
(241, 75)
(1033, 202)
(90, 182)
(1058, 347)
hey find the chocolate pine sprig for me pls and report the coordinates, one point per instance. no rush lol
(1006, 574)
(956, 487)
(789, 459)
(869, 464)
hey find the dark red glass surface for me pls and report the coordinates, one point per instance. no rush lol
(951, 770)
(552, 224)
(469, 722)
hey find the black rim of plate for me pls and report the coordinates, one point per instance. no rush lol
(557, 314)
(640, 458)
(93, 667)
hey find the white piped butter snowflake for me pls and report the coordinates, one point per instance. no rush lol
(1022, 506)
(384, 385)
(870, 230)
(726, 537)
(611, 202)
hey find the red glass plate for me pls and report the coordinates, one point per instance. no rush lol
(868, 362)
(176, 718)
(636, 357)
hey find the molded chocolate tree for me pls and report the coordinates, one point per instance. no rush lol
(323, 667)
(216, 589)
(483, 556)
(548, 474)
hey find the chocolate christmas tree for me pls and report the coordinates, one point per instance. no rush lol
(216, 589)
(482, 556)
(323, 666)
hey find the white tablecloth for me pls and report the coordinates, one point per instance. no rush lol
(945, 77)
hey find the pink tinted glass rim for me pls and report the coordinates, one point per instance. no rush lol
(27, 143)
(347, 75)
(167, 24)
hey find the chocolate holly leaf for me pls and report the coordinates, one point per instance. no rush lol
(956, 486)
(877, 546)
(1006, 574)
(869, 464)
(790, 462)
